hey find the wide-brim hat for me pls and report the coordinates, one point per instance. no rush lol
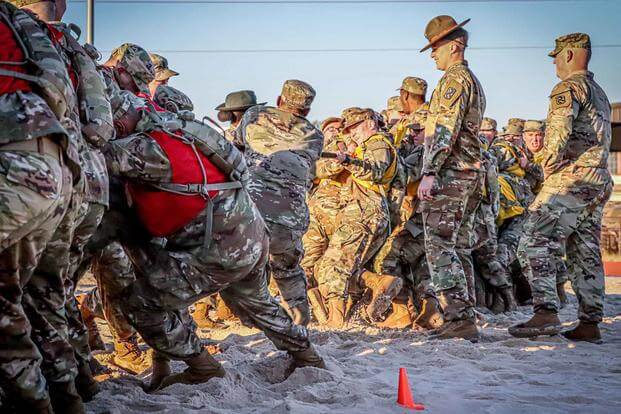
(239, 101)
(439, 27)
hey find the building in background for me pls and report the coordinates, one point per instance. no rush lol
(611, 231)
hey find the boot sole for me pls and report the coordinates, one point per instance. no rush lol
(382, 302)
(535, 332)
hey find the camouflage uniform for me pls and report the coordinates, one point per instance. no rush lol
(233, 262)
(281, 149)
(565, 217)
(362, 224)
(38, 160)
(453, 154)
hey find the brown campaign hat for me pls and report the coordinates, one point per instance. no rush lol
(439, 27)
(239, 101)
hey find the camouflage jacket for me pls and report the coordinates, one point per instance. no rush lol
(281, 150)
(534, 171)
(578, 134)
(455, 113)
(238, 230)
(507, 156)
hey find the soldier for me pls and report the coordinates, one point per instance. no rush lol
(362, 223)
(412, 96)
(565, 218)
(281, 147)
(488, 130)
(232, 110)
(534, 132)
(451, 169)
(38, 163)
(217, 241)
(162, 73)
(393, 112)
(403, 253)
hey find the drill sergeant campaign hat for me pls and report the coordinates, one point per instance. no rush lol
(488, 124)
(239, 101)
(297, 94)
(573, 40)
(442, 27)
(413, 85)
(136, 61)
(162, 71)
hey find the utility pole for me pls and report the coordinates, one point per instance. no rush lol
(90, 22)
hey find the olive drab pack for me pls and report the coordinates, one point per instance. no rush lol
(46, 67)
(94, 105)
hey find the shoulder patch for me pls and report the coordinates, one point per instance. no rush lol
(561, 100)
(451, 93)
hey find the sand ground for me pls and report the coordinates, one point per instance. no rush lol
(500, 374)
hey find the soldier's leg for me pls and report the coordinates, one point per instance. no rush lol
(285, 254)
(32, 203)
(442, 219)
(315, 242)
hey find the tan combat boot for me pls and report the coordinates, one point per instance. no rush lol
(464, 329)
(336, 317)
(384, 289)
(202, 319)
(543, 322)
(430, 316)
(318, 305)
(400, 317)
(585, 331)
(128, 356)
(201, 368)
(562, 295)
(95, 342)
(223, 312)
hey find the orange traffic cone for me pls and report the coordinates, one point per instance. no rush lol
(404, 397)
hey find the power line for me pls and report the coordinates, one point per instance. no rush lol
(322, 2)
(348, 50)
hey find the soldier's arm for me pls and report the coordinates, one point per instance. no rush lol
(138, 157)
(504, 157)
(376, 159)
(564, 107)
(453, 98)
(250, 117)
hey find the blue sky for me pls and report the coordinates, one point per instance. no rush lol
(516, 81)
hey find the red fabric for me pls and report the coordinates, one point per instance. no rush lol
(57, 37)
(11, 52)
(163, 213)
(151, 101)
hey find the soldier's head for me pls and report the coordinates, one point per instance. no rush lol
(513, 132)
(488, 129)
(417, 127)
(133, 68)
(331, 128)
(534, 133)
(235, 106)
(296, 97)
(412, 94)
(447, 40)
(126, 112)
(46, 10)
(162, 72)
(360, 124)
(572, 53)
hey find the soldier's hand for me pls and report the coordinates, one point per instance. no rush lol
(341, 157)
(425, 187)
(524, 162)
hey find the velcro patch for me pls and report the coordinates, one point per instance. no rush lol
(451, 94)
(561, 100)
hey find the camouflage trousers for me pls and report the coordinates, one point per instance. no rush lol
(565, 223)
(449, 237)
(35, 191)
(485, 253)
(156, 305)
(403, 255)
(360, 230)
(323, 211)
(286, 252)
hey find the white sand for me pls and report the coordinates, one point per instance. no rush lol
(500, 374)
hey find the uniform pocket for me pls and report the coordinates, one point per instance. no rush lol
(34, 172)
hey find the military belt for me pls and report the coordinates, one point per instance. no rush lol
(202, 189)
(42, 145)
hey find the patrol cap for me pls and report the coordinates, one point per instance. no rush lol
(488, 124)
(512, 129)
(517, 123)
(165, 95)
(440, 27)
(534, 126)
(22, 3)
(162, 71)
(416, 86)
(239, 101)
(394, 104)
(297, 94)
(573, 40)
(331, 120)
(136, 61)
(122, 101)
(354, 116)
